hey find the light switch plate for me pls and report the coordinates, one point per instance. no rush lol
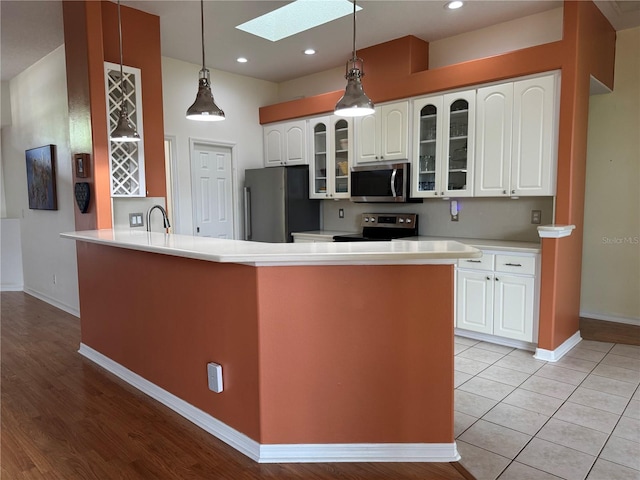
(135, 220)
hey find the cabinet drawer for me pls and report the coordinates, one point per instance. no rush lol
(483, 263)
(516, 264)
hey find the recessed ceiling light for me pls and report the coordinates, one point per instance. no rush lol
(241, 60)
(309, 51)
(454, 5)
(296, 17)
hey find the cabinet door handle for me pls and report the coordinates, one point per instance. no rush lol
(513, 264)
(497, 279)
(513, 192)
(504, 192)
(488, 278)
(474, 261)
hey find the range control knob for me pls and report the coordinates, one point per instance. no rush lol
(401, 220)
(408, 220)
(366, 219)
(373, 219)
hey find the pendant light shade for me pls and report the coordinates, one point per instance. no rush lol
(354, 102)
(204, 108)
(125, 130)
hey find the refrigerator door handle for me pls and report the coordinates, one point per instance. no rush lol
(247, 213)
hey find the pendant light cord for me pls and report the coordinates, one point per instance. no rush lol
(354, 30)
(121, 61)
(202, 30)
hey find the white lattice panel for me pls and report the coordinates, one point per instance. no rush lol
(126, 163)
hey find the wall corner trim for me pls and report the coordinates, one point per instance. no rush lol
(278, 453)
(561, 351)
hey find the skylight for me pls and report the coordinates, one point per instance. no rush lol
(297, 17)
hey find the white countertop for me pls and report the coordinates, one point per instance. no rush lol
(485, 244)
(274, 254)
(481, 243)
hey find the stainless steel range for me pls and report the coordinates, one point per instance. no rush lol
(379, 227)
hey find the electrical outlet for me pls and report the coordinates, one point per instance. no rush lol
(341, 213)
(214, 377)
(135, 220)
(536, 217)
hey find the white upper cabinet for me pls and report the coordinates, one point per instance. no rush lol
(443, 129)
(493, 140)
(516, 141)
(535, 145)
(384, 135)
(285, 144)
(330, 169)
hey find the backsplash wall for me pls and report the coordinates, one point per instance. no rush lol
(487, 218)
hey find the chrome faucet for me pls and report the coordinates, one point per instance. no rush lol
(165, 219)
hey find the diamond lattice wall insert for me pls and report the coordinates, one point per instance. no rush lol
(297, 17)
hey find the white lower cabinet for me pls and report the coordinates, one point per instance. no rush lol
(496, 295)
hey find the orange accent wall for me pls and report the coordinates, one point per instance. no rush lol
(383, 87)
(87, 110)
(589, 43)
(328, 354)
(357, 354)
(91, 37)
(141, 49)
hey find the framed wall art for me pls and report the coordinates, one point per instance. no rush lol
(41, 178)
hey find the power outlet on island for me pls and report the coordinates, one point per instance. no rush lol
(214, 377)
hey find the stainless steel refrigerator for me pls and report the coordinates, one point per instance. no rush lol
(276, 203)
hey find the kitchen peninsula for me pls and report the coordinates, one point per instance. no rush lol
(329, 351)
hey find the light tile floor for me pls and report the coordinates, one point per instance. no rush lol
(518, 418)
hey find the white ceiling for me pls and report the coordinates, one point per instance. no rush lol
(32, 29)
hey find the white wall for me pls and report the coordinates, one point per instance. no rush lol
(504, 37)
(611, 249)
(40, 117)
(239, 97)
(10, 256)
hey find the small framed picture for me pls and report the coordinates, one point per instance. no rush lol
(81, 163)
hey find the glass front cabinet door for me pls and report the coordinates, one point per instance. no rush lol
(330, 171)
(427, 147)
(459, 122)
(444, 127)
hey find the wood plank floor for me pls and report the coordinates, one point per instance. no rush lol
(602, 331)
(65, 418)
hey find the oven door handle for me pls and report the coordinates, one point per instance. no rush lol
(393, 182)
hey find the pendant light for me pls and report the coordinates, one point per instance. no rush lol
(124, 131)
(204, 108)
(354, 102)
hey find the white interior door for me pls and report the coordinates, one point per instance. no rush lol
(212, 190)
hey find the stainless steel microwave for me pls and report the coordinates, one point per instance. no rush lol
(381, 183)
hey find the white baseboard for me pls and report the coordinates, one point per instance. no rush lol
(561, 351)
(485, 337)
(611, 318)
(280, 453)
(52, 301)
(359, 452)
(11, 287)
